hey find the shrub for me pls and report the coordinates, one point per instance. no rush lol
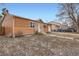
(38, 33)
(48, 32)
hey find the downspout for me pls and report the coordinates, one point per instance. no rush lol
(49, 29)
(38, 27)
(13, 31)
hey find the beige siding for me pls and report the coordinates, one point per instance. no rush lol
(8, 24)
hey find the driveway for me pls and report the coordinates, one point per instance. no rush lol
(64, 35)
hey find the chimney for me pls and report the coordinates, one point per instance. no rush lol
(5, 11)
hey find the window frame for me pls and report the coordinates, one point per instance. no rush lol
(32, 24)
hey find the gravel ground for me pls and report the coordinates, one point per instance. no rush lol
(38, 45)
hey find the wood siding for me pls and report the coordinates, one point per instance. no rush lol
(22, 26)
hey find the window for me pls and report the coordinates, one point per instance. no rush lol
(32, 24)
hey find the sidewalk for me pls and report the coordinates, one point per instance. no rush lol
(64, 35)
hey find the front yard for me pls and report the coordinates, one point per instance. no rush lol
(40, 45)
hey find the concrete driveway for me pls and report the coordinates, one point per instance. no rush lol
(65, 35)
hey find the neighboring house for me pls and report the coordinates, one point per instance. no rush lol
(55, 25)
(64, 27)
(15, 25)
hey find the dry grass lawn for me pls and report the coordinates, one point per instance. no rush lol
(38, 45)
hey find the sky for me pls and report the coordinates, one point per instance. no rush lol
(45, 11)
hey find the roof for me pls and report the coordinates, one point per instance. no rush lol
(55, 23)
(6, 11)
(40, 20)
(23, 18)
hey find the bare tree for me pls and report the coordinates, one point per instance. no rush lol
(70, 12)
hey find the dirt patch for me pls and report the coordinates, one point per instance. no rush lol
(38, 45)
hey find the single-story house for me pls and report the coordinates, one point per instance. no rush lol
(55, 25)
(15, 25)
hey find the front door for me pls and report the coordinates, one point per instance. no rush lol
(40, 28)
